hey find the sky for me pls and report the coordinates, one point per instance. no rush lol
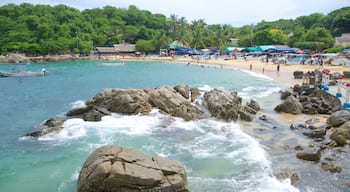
(233, 12)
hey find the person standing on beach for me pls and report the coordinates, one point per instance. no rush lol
(250, 67)
(278, 68)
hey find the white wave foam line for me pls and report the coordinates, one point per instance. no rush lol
(77, 104)
(109, 125)
(258, 75)
(258, 91)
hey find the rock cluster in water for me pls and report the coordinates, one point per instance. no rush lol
(179, 101)
(119, 169)
(334, 133)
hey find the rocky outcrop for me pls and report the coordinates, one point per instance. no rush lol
(174, 101)
(171, 102)
(223, 105)
(142, 101)
(119, 169)
(290, 105)
(338, 118)
(51, 125)
(15, 58)
(313, 101)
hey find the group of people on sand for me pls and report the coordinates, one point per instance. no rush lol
(312, 60)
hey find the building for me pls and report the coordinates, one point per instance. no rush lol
(343, 40)
(125, 48)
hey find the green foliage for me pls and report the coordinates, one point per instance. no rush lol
(44, 29)
(333, 50)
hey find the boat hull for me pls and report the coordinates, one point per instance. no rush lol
(22, 74)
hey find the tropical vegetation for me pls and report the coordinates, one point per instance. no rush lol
(43, 29)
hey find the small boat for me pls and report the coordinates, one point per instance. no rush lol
(43, 72)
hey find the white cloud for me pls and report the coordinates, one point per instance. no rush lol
(234, 12)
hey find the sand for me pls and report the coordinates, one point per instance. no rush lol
(285, 74)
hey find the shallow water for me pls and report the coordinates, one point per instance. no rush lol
(218, 156)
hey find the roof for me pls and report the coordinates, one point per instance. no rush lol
(125, 48)
(106, 49)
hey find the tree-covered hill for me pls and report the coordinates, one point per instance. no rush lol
(43, 29)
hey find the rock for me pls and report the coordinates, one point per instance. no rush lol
(310, 154)
(171, 102)
(223, 105)
(290, 105)
(127, 101)
(339, 117)
(244, 115)
(183, 89)
(52, 125)
(119, 169)
(254, 105)
(331, 168)
(292, 176)
(324, 102)
(93, 115)
(79, 111)
(285, 94)
(194, 93)
(341, 134)
(316, 133)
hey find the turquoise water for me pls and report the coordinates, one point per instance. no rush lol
(218, 156)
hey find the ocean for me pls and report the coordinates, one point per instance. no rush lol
(215, 160)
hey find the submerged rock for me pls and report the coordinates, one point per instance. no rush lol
(120, 169)
(310, 154)
(51, 125)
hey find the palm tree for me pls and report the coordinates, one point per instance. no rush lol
(198, 33)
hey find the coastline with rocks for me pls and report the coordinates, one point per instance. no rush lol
(323, 150)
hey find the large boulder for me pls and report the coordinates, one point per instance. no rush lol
(290, 105)
(341, 135)
(119, 169)
(223, 105)
(338, 118)
(127, 101)
(170, 101)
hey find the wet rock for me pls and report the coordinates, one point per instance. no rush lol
(194, 93)
(120, 169)
(79, 111)
(291, 175)
(316, 133)
(223, 105)
(169, 101)
(183, 89)
(341, 134)
(331, 167)
(310, 154)
(244, 115)
(338, 118)
(290, 105)
(285, 94)
(51, 125)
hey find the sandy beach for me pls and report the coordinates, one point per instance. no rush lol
(285, 74)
